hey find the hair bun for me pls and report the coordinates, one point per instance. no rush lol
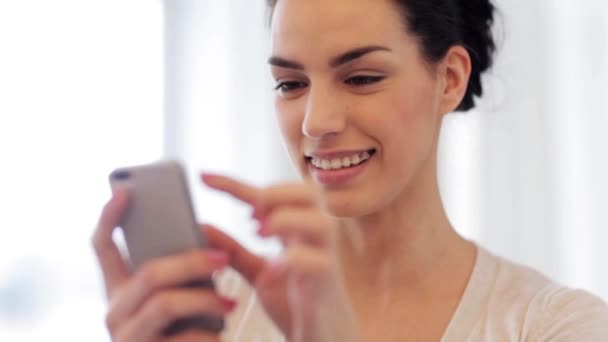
(477, 17)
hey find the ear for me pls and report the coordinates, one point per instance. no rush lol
(455, 71)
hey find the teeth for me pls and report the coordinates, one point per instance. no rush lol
(339, 163)
(325, 164)
(336, 164)
(346, 161)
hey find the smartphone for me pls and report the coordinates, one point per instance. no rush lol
(160, 221)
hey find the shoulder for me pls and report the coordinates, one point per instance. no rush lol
(565, 314)
(546, 310)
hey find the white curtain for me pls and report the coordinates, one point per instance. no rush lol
(529, 161)
(218, 106)
(522, 174)
(81, 88)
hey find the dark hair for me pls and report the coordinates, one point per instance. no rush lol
(441, 24)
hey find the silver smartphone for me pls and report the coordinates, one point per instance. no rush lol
(160, 221)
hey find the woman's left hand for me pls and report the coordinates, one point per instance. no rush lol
(302, 290)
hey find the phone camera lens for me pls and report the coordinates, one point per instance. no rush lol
(121, 175)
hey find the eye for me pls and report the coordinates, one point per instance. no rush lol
(289, 86)
(363, 80)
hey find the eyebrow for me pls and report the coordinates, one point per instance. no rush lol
(335, 62)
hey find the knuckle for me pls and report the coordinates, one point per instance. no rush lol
(113, 318)
(197, 264)
(149, 276)
(111, 322)
(162, 305)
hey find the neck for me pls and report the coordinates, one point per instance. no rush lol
(407, 245)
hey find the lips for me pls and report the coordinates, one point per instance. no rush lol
(339, 167)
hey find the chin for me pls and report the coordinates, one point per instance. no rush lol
(345, 204)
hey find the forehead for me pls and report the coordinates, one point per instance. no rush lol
(331, 26)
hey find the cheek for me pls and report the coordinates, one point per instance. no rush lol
(417, 110)
(413, 109)
(412, 133)
(290, 119)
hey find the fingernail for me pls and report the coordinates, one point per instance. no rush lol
(228, 304)
(218, 259)
(256, 215)
(208, 177)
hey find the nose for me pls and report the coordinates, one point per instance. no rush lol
(324, 116)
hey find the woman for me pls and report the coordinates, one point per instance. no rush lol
(369, 253)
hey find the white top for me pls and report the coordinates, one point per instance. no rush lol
(503, 301)
(508, 302)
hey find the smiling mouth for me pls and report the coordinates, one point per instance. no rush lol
(341, 163)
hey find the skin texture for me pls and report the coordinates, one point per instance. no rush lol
(398, 116)
(392, 214)
(371, 259)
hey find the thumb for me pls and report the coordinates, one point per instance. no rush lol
(248, 264)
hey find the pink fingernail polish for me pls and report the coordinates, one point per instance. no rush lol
(209, 178)
(256, 215)
(228, 304)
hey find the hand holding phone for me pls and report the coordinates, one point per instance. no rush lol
(165, 288)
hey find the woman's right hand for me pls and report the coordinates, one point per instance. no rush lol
(142, 305)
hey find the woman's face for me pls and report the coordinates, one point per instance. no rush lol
(358, 106)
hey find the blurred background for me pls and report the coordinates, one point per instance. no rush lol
(87, 86)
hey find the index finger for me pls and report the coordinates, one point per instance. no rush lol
(240, 190)
(296, 194)
(263, 200)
